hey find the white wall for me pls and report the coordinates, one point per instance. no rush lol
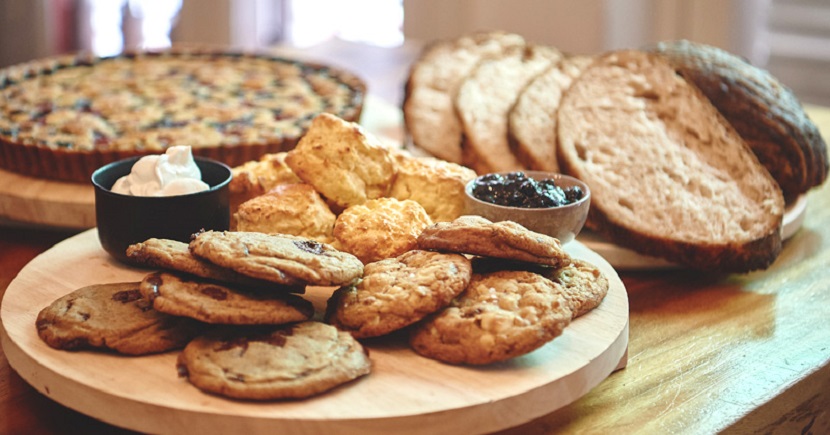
(591, 26)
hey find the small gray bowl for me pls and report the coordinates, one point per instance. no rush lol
(123, 220)
(563, 222)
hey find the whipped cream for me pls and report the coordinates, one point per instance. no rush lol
(172, 173)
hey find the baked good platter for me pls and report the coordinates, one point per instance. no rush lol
(36, 202)
(404, 394)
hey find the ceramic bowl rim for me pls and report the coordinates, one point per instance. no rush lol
(468, 191)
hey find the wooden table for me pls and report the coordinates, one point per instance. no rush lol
(737, 354)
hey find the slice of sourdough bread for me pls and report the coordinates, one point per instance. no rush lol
(764, 112)
(531, 122)
(669, 177)
(433, 81)
(484, 99)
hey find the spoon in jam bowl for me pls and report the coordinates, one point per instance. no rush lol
(545, 202)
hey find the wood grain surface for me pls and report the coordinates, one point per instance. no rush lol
(404, 389)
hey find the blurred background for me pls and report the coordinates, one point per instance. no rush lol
(378, 38)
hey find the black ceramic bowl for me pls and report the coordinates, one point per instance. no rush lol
(123, 220)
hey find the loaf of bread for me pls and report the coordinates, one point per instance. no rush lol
(484, 99)
(531, 122)
(669, 176)
(433, 82)
(764, 112)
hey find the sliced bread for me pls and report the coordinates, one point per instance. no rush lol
(484, 99)
(433, 81)
(531, 122)
(669, 176)
(764, 112)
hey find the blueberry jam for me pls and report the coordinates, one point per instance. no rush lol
(515, 189)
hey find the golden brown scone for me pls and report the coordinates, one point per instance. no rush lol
(295, 209)
(345, 164)
(380, 228)
(257, 177)
(436, 184)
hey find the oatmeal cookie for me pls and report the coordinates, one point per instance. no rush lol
(295, 209)
(343, 162)
(478, 236)
(397, 292)
(112, 316)
(264, 363)
(278, 257)
(582, 283)
(436, 184)
(175, 255)
(380, 228)
(501, 315)
(211, 302)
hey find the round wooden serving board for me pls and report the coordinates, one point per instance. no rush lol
(404, 394)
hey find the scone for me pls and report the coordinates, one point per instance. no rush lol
(278, 257)
(397, 292)
(112, 316)
(212, 302)
(380, 228)
(343, 162)
(436, 184)
(264, 363)
(500, 316)
(476, 235)
(295, 209)
(175, 255)
(257, 177)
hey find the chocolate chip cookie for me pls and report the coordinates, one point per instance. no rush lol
(175, 255)
(397, 292)
(112, 316)
(211, 302)
(277, 257)
(500, 316)
(263, 363)
(509, 240)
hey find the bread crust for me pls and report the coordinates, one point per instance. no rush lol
(433, 81)
(653, 130)
(531, 123)
(765, 113)
(484, 101)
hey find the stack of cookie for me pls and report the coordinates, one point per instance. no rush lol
(246, 331)
(378, 232)
(475, 292)
(471, 292)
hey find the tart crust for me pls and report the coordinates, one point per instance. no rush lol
(63, 117)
